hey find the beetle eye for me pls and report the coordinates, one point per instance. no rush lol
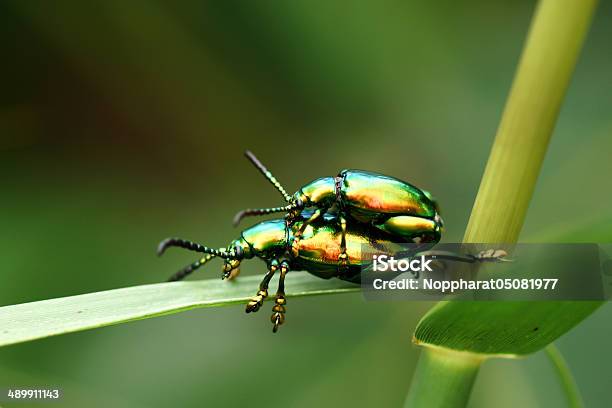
(239, 252)
(299, 204)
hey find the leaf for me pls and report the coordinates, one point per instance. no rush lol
(510, 328)
(499, 328)
(36, 320)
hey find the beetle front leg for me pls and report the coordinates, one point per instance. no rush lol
(257, 300)
(278, 311)
(315, 215)
(298, 234)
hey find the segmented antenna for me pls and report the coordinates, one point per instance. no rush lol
(263, 170)
(180, 275)
(192, 246)
(261, 211)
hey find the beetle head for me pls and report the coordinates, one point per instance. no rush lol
(238, 250)
(297, 205)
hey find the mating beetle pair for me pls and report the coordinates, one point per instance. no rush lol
(326, 223)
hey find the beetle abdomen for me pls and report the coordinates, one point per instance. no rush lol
(318, 249)
(321, 245)
(374, 193)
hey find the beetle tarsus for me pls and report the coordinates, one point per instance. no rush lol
(278, 310)
(342, 263)
(277, 320)
(492, 255)
(256, 301)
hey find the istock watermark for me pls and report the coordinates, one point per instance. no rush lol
(386, 263)
(487, 272)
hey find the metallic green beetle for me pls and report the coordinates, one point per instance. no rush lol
(390, 205)
(316, 251)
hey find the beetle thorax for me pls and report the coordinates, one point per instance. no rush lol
(320, 192)
(267, 238)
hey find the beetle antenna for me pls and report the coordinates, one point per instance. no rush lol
(192, 246)
(261, 211)
(263, 170)
(180, 275)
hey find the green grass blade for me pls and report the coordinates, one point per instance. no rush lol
(36, 320)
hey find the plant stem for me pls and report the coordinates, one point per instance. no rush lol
(555, 38)
(565, 376)
(443, 378)
(543, 75)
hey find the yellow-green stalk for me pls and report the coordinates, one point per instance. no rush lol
(444, 377)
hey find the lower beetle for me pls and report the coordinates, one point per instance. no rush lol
(317, 250)
(388, 204)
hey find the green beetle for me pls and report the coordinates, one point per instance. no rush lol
(321, 242)
(390, 205)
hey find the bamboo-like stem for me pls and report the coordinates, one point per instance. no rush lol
(443, 379)
(543, 75)
(549, 57)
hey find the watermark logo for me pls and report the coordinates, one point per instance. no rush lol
(386, 263)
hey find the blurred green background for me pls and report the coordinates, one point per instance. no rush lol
(122, 123)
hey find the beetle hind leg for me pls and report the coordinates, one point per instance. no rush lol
(343, 257)
(257, 300)
(278, 310)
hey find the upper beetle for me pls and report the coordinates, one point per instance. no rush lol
(386, 203)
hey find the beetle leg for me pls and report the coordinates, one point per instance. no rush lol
(343, 257)
(278, 311)
(309, 221)
(257, 300)
(490, 255)
(298, 234)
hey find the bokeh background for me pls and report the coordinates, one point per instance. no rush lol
(122, 123)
